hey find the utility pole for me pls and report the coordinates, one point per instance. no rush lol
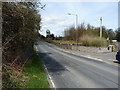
(76, 31)
(100, 27)
(76, 27)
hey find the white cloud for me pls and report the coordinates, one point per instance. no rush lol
(53, 19)
(56, 24)
(60, 21)
(87, 12)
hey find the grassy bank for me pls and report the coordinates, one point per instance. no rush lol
(36, 77)
(84, 41)
(32, 76)
(61, 41)
(93, 41)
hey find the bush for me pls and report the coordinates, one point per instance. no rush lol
(92, 41)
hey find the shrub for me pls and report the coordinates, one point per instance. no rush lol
(92, 41)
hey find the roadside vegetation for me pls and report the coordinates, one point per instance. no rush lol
(118, 35)
(34, 71)
(20, 27)
(93, 41)
(61, 41)
(88, 35)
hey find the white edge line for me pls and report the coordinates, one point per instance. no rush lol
(50, 77)
(87, 56)
(96, 59)
(53, 85)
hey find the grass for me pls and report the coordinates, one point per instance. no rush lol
(33, 75)
(61, 41)
(93, 41)
(9, 82)
(36, 77)
(85, 41)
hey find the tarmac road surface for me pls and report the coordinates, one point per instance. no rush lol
(71, 71)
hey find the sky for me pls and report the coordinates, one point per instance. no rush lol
(56, 19)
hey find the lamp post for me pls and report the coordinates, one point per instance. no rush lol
(100, 27)
(76, 27)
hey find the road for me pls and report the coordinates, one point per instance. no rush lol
(71, 71)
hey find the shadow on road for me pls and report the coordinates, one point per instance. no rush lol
(52, 65)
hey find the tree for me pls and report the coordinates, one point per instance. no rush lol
(85, 30)
(20, 27)
(19, 23)
(118, 35)
(111, 34)
(52, 36)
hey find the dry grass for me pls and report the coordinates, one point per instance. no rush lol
(12, 77)
(92, 41)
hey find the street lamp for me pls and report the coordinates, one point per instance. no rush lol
(100, 27)
(76, 27)
(76, 21)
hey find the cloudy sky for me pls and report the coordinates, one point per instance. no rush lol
(55, 16)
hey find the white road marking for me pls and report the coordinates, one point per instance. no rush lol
(108, 62)
(87, 56)
(95, 58)
(53, 85)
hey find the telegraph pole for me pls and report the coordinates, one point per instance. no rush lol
(76, 31)
(76, 27)
(100, 27)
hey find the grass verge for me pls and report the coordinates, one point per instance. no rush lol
(84, 41)
(93, 41)
(61, 41)
(36, 76)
